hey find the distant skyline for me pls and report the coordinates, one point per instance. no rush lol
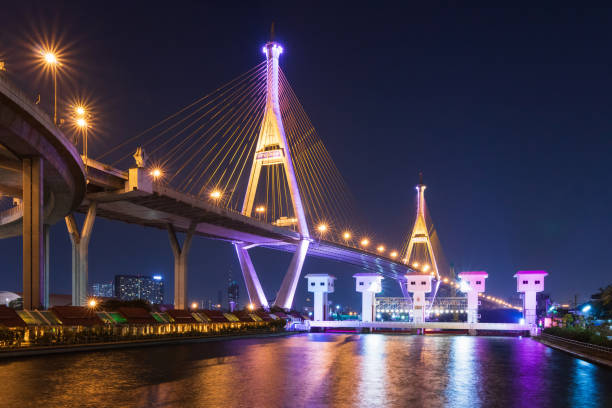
(506, 112)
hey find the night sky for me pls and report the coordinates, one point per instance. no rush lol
(506, 112)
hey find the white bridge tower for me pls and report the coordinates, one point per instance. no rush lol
(273, 150)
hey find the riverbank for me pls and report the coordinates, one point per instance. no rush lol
(72, 348)
(582, 352)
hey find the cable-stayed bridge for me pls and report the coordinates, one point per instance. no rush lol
(242, 164)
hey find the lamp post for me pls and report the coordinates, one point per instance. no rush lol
(82, 124)
(50, 59)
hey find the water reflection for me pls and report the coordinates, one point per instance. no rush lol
(462, 389)
(315, 370)
(585, 392)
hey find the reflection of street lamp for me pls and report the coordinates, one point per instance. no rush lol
(50, 60)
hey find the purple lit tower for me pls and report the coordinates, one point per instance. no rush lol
(530, 283)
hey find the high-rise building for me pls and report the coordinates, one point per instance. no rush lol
(233, 294)
(103, 289)
(132, 287)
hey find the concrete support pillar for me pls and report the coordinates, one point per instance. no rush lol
(290, 281)
(33, 245)
(80, 254)
(320, 311)
(529, 307)
(320, 284)
(369, 284)
(257, 297)
(47, 244)
(180, 265)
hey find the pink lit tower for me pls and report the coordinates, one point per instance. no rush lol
(530, 283)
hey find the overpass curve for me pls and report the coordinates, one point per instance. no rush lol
(26, 131)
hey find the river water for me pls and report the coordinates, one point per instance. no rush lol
(312, 370)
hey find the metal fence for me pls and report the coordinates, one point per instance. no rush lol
(577, 343)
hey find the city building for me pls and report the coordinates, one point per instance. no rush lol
(233, 294)
(103, 289)
(132, 287)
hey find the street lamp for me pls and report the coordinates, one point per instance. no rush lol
(215, 194)
(365, 242)
(92, 303)
(51, 61)
(82, 124)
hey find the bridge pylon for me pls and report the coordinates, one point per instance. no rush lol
(272, 149)
(420, 254)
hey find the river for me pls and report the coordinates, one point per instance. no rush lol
(312, 370)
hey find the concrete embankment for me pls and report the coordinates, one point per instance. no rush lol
(59, 349)
(583, 353)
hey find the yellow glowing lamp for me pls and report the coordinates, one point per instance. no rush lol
(365, 242)
(381, 248)
(322, 228)
(393, 254)
(50, 58)
(215, 195)
(156, 173)
(92, 303)
(346, 235)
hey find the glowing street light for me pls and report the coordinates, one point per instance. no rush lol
(380, 248)
(426, 268)
(251, 307)
(260, 209)
(156, 173)
(346, 235)
(215, 195)
(50, 60)
(79, 110)
(322, 228)
(194, 305)
(92, 303)
(393, 254)
(365, 242)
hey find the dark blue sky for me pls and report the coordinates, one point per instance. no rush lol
(506, 111)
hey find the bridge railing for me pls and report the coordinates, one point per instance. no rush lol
(577, 343)
(10, 214)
